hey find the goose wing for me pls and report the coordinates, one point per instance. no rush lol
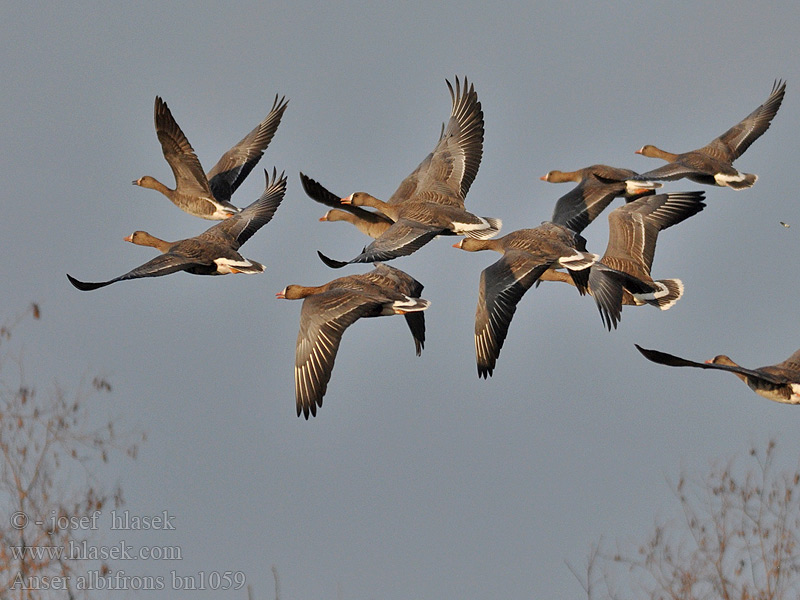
(502, 285)
(163, 264)
(323, 319)
(447, 173)
(235, 165)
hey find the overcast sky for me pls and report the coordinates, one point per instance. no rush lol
(416, 479)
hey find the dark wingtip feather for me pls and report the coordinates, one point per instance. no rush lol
(83, 285)
(669, 360)
(332, 263)
(653, 355)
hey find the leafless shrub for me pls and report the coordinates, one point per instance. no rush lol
(49, 451)
(736, 539)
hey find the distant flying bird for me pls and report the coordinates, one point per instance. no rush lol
(430, 201)
(213, 252)
(331, 308)
(780, 382)
(597, 186)
(208, 195)
(785, 224)
(712, 164)
(622, 275)
(527, 253)
(371, 223)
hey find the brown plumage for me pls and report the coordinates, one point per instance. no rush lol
(780, 383)
(213, 252)
(368, 222)
(597, 186)
(622, 275)
(430, 201)
(330, 308)
(208, 195)
(712, 164)
(527, 253)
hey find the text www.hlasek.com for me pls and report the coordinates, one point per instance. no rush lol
(84, 551)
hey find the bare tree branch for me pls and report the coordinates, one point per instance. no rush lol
(737, 540)
(49, 454)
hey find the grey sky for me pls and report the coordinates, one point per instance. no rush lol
(416, 479)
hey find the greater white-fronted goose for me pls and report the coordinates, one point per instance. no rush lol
(213, 252)
(712, 164)
(430, 201)
(780, 382)
(368, 222)
(622, 275)
(597, 186)
(208, 195)
(330, 308)
(527, 253)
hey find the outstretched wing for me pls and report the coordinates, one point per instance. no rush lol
(663, 358)
(634, 227)
(447, 173)
(323, 319)
(316, 191)
(240, 227)
(179, 153)
(235, 165)
(582, 204)
(732, 144)
(502, 285)
(404, 237)
(163, 264)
